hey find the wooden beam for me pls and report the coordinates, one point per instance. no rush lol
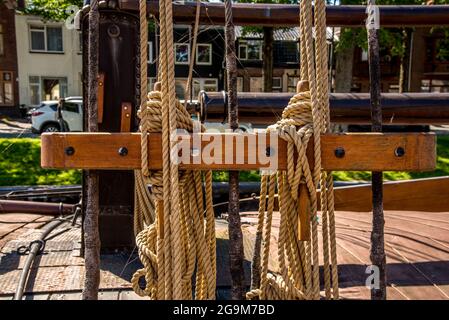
(428, 195)
(361, 151)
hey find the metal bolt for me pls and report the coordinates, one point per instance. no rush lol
(123, 151)
(399, 152)
(69, 151)
(339, 152)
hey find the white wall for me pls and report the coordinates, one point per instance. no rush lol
(67, 64)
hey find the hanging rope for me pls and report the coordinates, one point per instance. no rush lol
(176, 235)
(305, 117)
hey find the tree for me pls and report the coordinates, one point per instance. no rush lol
(52, 9)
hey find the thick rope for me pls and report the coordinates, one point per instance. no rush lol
(306, 115)
(179, 242)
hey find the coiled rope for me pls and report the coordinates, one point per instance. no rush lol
(306, 116)
(175, 223)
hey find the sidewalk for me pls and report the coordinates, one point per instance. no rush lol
(15, 128)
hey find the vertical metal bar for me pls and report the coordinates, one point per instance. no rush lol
(377, 253)
(234, 226)
(91, 233)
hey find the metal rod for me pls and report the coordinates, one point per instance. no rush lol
(349, 108)
(286, 15)
(234, 223)
(377, 234)
(44, 208)
(91, 233)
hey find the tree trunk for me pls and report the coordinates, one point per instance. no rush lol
(267, 59)
(234, 224)
(343, 68)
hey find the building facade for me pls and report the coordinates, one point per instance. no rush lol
(208, 65)
(428, 70)
(49, 59)
(9, 90)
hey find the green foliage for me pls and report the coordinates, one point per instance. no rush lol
(52, 9)
(20, 165)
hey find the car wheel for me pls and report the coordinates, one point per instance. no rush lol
(50, 128)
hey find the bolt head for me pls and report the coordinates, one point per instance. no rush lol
(399, 152)
(123, 151)
(339, 152)
(70, 151)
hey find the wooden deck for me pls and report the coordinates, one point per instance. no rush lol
(417, 245)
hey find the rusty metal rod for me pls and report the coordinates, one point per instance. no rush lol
(377, 252)
(347, 108)
(90, 225)
(234, 223)
(44, 208)
(286, 15)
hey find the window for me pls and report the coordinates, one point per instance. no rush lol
(35, 90)
(2, 44)
(204, 54)
(434, 85)
(70, 107)
(277, 84)
(255, 84)
(182, 53)
(46, 39)
(292, 81)
(208, 85)
(250, 50)
(6, 88)
(239, 84)
(150, 52)
(364, 55)
(43, 88)
(180, 86)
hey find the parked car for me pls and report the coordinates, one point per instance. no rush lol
(45, 117)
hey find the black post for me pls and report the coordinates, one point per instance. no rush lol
(235, 231)
(91, 233)
(377, 234)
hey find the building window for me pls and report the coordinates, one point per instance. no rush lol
(46, 88)
(292, 81)
(6, 88)
(239, 84)
(2, 43)
(434, 85)
(255, 84)
(208, 85)
(180, 87)
(150, 52)
(277, 84)
(46, 39)
(364, 55)
(250, 50)
(35, 90)
(182, 53)
(204, 54)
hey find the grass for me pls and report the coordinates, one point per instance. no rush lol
(20, 165)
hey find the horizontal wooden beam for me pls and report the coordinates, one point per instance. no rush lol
(356, 151)
(428, 195)
(286, 15)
